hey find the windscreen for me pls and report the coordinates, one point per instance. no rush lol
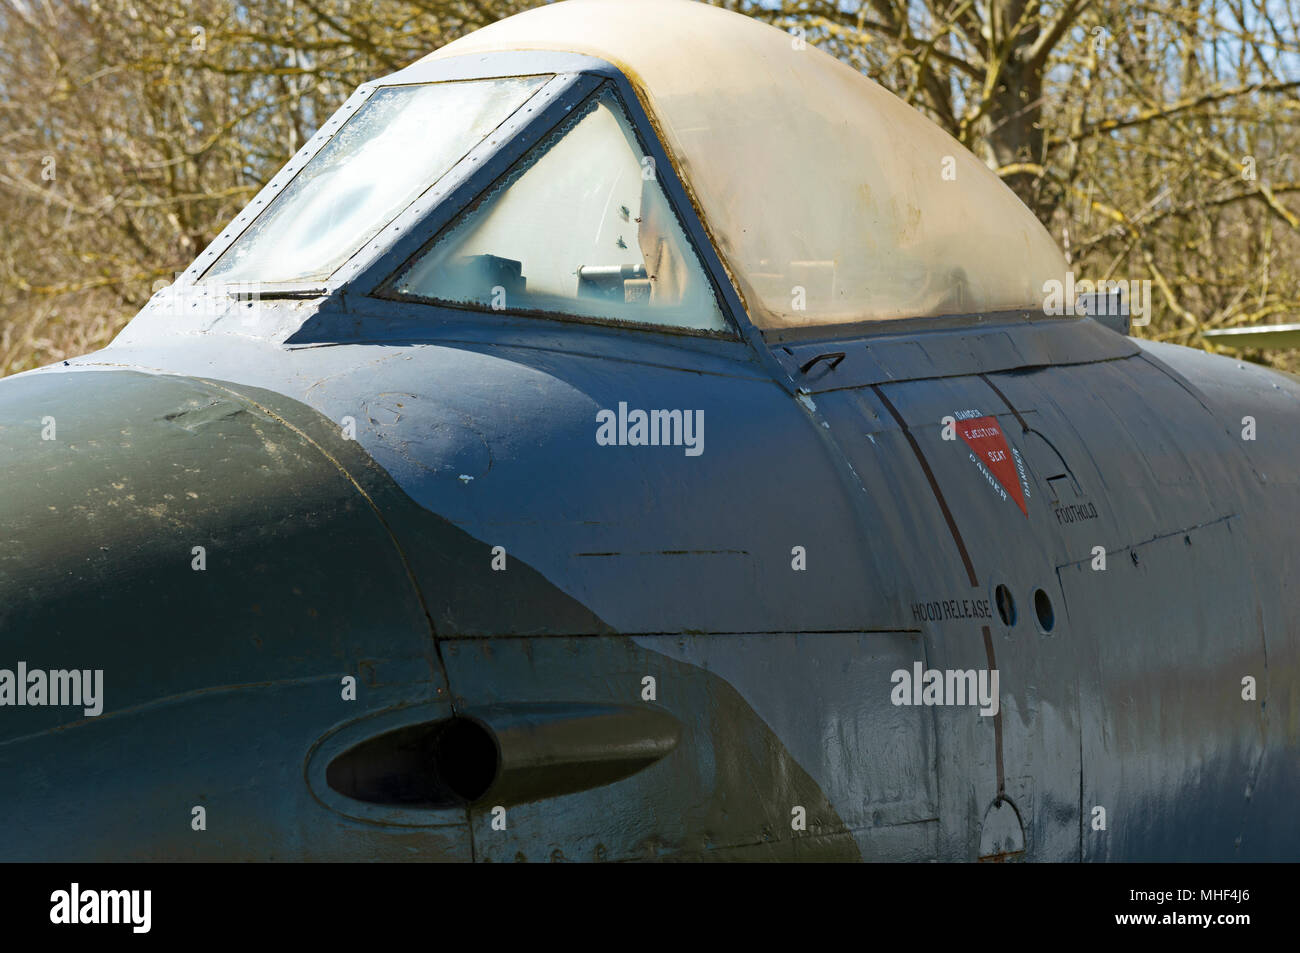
(397, 145)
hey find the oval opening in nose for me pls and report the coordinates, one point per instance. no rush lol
(431, 765)
(466, 758)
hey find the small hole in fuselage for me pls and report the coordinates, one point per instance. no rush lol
(1006, 605)
(1043, 609)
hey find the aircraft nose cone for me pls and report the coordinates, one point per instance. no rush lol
(215, 571)
(179, 534)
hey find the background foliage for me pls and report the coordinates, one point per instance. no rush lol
(1156, 141)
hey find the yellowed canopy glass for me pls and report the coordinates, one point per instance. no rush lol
(829, 199)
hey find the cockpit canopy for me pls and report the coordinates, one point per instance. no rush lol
(827, 199)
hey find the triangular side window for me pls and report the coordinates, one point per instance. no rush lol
(580, 228)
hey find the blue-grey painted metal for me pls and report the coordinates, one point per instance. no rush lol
(426, 583)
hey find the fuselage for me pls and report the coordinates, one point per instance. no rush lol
(629, 434)
(434, 515)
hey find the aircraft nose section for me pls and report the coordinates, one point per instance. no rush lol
(145, 509)
(187, 582)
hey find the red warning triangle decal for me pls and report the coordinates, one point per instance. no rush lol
(984, 437)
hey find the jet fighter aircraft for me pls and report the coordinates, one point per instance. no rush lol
(630, 433)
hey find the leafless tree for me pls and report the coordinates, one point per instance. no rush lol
(1156, 141)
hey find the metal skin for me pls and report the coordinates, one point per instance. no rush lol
(650, 676)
